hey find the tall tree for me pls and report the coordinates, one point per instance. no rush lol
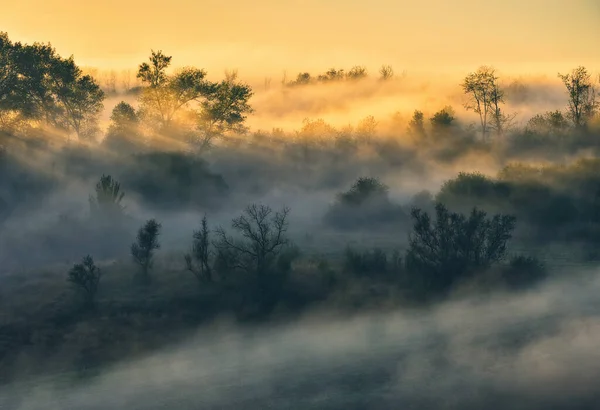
(167, 96)
(47, 88)
(582, 96)
(484, 94)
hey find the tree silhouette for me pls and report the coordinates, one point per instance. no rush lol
(386, 72)
(107, 201)
(582, 96)
(85, 276)
(264, 236)
(455, 246)
(485, 98)
(198, 261)
(143, 249)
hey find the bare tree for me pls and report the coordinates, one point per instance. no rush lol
(198, 261)
(263, 237)
(386, 72)
(582, 96)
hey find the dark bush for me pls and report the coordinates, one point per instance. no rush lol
(454, 247)
(523, 272)
(365, 205)
(85, 276)
(166, 180)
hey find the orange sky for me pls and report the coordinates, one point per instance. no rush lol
(265, 37)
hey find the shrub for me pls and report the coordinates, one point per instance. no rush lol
(365, 204)
(146, 243)
(523, 271)
(85, 276)
(454, 246)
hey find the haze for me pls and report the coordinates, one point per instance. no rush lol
(265, 37)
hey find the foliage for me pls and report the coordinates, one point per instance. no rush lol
(39, 85)
(167, 98)
(124, 132)
(416, 126)
(85, 276)
(582, 96)
(454, 246)
(551, 123)
(167, 179)
(225, 107)
(443, 119)
(146, 243)
(198, 262)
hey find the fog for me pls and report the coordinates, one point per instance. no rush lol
(530, 350)
(426, 261)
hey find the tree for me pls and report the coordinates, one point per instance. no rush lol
(443, 119)
(263, 238)
(485, 97)
(123, 131)
(198, 261)
(11, 93)
(107, 202)
(363, 190)
(366, 128)
(85, 276)
(386, 72)
(48, 88)
(357, 73)
(166, 97)
(146, 243)
(550, 123)
(454, 246)
(224, 109)
(82, 99)
(582, 96)
(302, 79)
(416, 126)
(331, 75)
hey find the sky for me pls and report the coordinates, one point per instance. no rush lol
(266, 37)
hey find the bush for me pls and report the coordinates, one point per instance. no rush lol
(454, 246)
(523, 271)
(365, 204)
(85, 276)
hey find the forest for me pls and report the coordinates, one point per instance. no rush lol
(137, 213)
